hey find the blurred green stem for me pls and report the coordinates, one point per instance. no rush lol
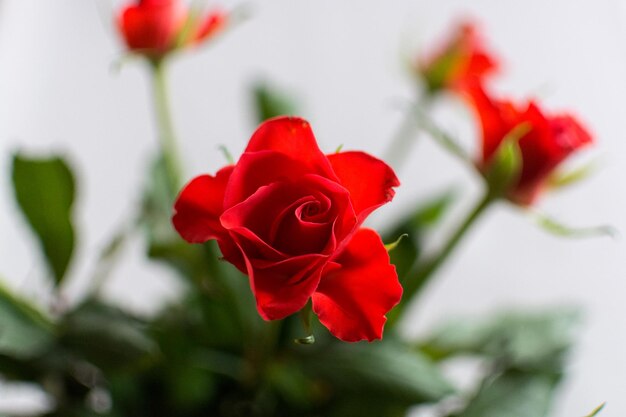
(167, 137)
(400, 146)
(424, 271)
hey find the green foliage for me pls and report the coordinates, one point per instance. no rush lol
(107, 337)
(524, 356)
(513, 394)
(557, 228)
(407, 250)
(388, 372)
(563, 179)
(270, 102)
(524, 340)
(24, 331)
(44, 189)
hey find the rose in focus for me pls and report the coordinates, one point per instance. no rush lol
(156, 27)
(290, 218)
(462, 59)
(547, 142)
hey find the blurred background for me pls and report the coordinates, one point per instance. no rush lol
(346, 64)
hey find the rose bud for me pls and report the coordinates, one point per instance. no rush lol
(543, 141)
(462, 59)
(155, 27)
(290, 218)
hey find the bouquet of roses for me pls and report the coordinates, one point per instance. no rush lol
(291, 305)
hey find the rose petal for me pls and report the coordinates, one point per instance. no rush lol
(293, 137)
(268, 220)
(210, 25)
(550, 142)
(283, 288)
(351, 301)
(496, 118)
(258, 169)
(199, 206)
(151, 26)
(370, 181)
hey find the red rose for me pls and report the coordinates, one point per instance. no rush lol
(462, 59)
(155, 27)
(290, 218)
(549, 140)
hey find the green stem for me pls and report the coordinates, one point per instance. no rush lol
(305, 318)
(167, 137)
(422, 273)
(400, 145)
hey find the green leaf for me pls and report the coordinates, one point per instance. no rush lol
(424, 217)
(432, 211)
(525, 340)
(513, 394)
(44, 189)
(107, 337)
(270, 102)
(24, 331)
(559, 180)
(227, 155)
(554, 227)
(293, 385)
(506, 164)
(384, 370)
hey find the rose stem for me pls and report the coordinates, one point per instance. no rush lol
(415, 280)
(167, 138)
(400, 145)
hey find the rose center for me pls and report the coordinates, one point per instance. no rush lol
(310, 211)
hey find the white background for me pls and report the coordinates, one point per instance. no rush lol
(345, 62)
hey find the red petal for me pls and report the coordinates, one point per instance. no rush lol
(550, 142)
(497, 118)
(151, 26)
(294, 138)
(273, 216)
(283, 288)
(351, 301)
(261, 168)
(211, 24)
(199, 206)
(370, 181)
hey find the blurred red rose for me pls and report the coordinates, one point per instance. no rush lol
(549, 140)
(155, 27)
(290, 218)
(462, 59)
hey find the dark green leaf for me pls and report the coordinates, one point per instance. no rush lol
(414, 226)
(430, 213)
(24, 331)
(270, 102)
(44, 189)
(291, 383)
(513, 394)
(525, 340)
(384, 370)
(107, 337)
